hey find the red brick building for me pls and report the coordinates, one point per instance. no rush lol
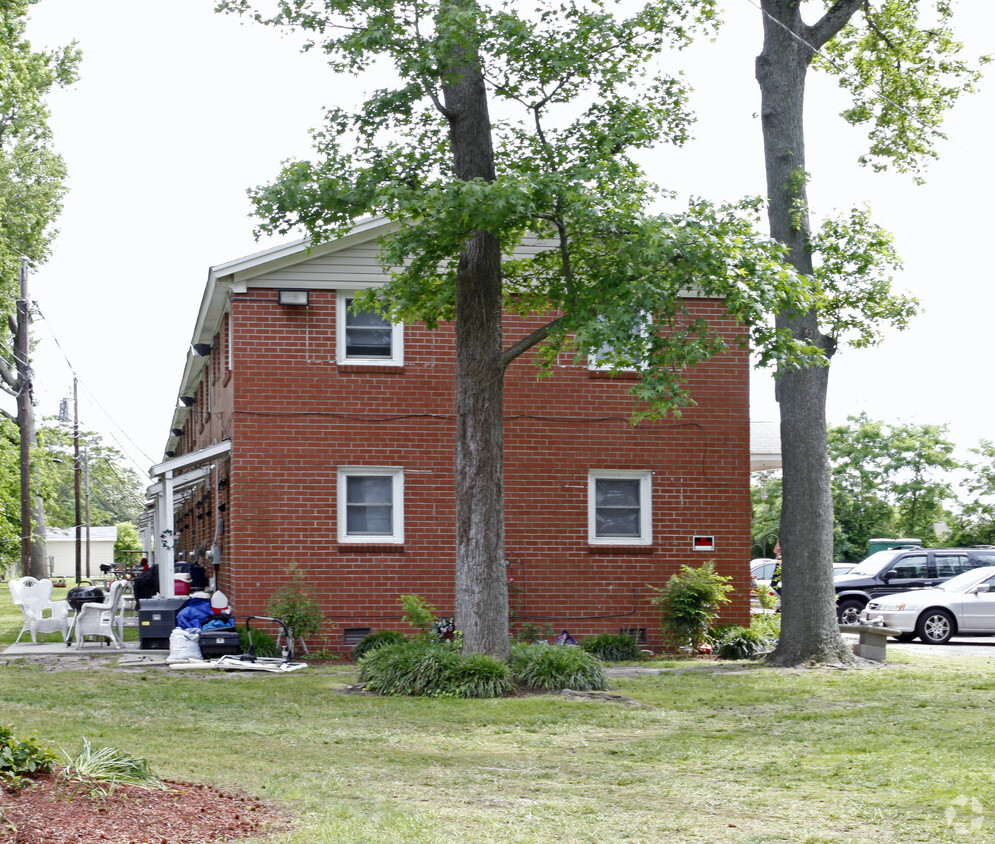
(310, 434)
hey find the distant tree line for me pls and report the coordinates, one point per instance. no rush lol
(892, 480)
(115, 490)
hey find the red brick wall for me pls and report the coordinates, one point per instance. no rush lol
(295, 416)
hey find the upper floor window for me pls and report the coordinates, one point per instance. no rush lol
(630, 359)
(365, 336)
(619, 507)
(370, 505)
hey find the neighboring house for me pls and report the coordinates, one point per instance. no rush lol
(61, 545)
(765, 446)
(308, 434)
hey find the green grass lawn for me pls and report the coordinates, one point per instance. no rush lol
(874, 755)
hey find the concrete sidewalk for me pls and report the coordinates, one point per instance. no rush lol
(54, 650)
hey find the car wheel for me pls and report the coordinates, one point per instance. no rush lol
(935, 627)
(849, 612)
(905, 637)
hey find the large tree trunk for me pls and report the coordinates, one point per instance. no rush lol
(481, 580)
(809, 631)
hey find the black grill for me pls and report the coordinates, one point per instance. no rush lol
(79, 595)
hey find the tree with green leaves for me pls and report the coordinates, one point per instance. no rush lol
(902, 74)
(765, 501)
(499, 124)
(115, 491)
(975, 524)
(888, 480)
(861, 504)
(10, 491)
(32, 184)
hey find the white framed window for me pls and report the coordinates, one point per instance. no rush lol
(365, 337)
(605, 359)
(618, 504)
(371, 505)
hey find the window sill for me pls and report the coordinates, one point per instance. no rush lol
(608, 548)
(370, 548)
(608, 375)
(382, 368)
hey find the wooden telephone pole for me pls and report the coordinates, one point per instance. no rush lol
(25, 420)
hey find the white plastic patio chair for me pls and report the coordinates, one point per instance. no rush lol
(104, 619)
(41, 614)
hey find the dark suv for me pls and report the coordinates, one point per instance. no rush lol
(901, 570)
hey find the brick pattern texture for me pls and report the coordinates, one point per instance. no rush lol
(295, 416)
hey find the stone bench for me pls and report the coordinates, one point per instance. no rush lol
(873, 641)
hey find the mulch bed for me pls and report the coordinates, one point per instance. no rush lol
(191, 813)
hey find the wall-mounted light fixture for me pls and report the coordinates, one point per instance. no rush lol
(296, 298)
(202, 350)
(186, 401)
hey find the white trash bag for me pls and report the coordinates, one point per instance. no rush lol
(184, 645)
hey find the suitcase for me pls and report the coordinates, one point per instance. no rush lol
(219, 643)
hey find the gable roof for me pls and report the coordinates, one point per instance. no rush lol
(236, 277)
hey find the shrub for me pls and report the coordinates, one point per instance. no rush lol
(20, 757)
(263, 644)
(374, 641)
(93, 771)
(768, 624)
(543, 666)
(528, 633)
(420, 615)
(743, 643)
(612, 647)
(433, 669)
(689, 603)
(296, 604)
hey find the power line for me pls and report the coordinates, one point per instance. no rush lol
(142, 469)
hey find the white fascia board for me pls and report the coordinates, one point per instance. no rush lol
(194, 458)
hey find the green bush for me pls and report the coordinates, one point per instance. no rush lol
(543, 666)
(768, 624)
(263, 644)
(376, 640)
(22, 757)
(296, 604)
(529, 633)
(433, 669)
(743, 643)
(420, 615)
(612, 647)
(689, 603)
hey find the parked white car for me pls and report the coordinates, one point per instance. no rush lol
(963, 606)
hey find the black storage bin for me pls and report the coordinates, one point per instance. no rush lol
(156, 620)
(219, 642)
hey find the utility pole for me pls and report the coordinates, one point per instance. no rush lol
(24, 418)
(76, 474)
(86, 487)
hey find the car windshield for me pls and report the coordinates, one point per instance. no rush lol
(964, 581)
(873, 564)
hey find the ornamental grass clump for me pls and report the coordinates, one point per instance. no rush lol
(743, 643)
(612, 647)
(433, 669)
(96, 772)
(689, 603)
(553, 667)
(376, 640)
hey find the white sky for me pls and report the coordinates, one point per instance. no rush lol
(179, 110)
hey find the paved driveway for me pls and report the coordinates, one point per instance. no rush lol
(977, 646)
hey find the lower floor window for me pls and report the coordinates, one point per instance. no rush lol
(370, 505)
(619, 507)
